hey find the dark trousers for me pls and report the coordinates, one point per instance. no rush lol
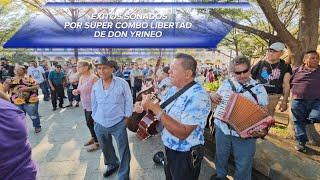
(45, 90)
(129, 82)
(57, 94)
(90, 124)
(72, 97)
(182, 165)
(135, 90)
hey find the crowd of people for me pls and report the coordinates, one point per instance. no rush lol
(108, 96)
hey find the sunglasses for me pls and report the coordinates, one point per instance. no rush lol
(242, 72)
(272, 51)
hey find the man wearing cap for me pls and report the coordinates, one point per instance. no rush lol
(274, 74)
(56, 81)
(111, 101)
(6, 70)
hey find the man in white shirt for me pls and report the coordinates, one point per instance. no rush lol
(38, 73)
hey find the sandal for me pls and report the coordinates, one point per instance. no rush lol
(37, 130)
(94, 147)
(91, 141)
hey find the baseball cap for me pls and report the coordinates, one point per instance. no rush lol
(3, 59)
(104, 60)
(166, 69)
(278, 46)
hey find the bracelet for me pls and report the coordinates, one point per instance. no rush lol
(158, 116)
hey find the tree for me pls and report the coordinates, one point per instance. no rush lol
(307, 38)
(11, 20)
(21, 57)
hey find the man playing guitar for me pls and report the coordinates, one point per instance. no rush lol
(184, 120)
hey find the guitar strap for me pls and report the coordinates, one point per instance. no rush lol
(177, 94)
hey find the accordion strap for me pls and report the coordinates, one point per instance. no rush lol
(246, 88)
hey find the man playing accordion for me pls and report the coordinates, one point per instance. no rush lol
(226, 138)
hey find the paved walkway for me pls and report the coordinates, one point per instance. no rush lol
(59, 152)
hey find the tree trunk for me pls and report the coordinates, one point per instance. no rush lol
(309, 24)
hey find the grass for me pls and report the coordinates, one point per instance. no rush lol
(280, 130)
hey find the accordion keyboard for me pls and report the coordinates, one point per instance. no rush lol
(221, 108)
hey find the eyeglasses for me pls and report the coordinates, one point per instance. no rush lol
(272, 51)
(242, 72)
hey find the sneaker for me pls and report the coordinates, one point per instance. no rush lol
(37, 130)
(301, 147)
(215, 177)
(109, 172)
(55, 108)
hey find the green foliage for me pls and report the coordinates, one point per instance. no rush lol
(212, 86)
(21, 57)
(252, 45)
(12, 15)
(280, 130)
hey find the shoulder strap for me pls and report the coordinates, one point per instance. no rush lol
(177, 94)
(248, 88)
(233, 87)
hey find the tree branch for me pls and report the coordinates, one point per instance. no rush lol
(278, 26)
(262, 34)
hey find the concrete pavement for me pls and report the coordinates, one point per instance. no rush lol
(60, 155)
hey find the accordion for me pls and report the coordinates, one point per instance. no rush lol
(242, 114)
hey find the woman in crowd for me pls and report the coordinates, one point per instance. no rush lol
(86, 81)
(73, 80)
(23, 92)
(210, 76)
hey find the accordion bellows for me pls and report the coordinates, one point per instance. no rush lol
(242, 114)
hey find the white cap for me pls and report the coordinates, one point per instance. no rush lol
(278, 46)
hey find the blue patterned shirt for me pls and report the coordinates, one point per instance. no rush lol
(112, 105)
(258, 89)
(190, 108)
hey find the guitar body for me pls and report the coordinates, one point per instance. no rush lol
(133, 121)
(147, 127)
(144, 123)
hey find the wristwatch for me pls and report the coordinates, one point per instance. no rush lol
(158, 116)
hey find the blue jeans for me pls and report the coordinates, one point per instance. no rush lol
(243, 152)
(45, 90)
(32, 111)
(304, 112)
(104, 136)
